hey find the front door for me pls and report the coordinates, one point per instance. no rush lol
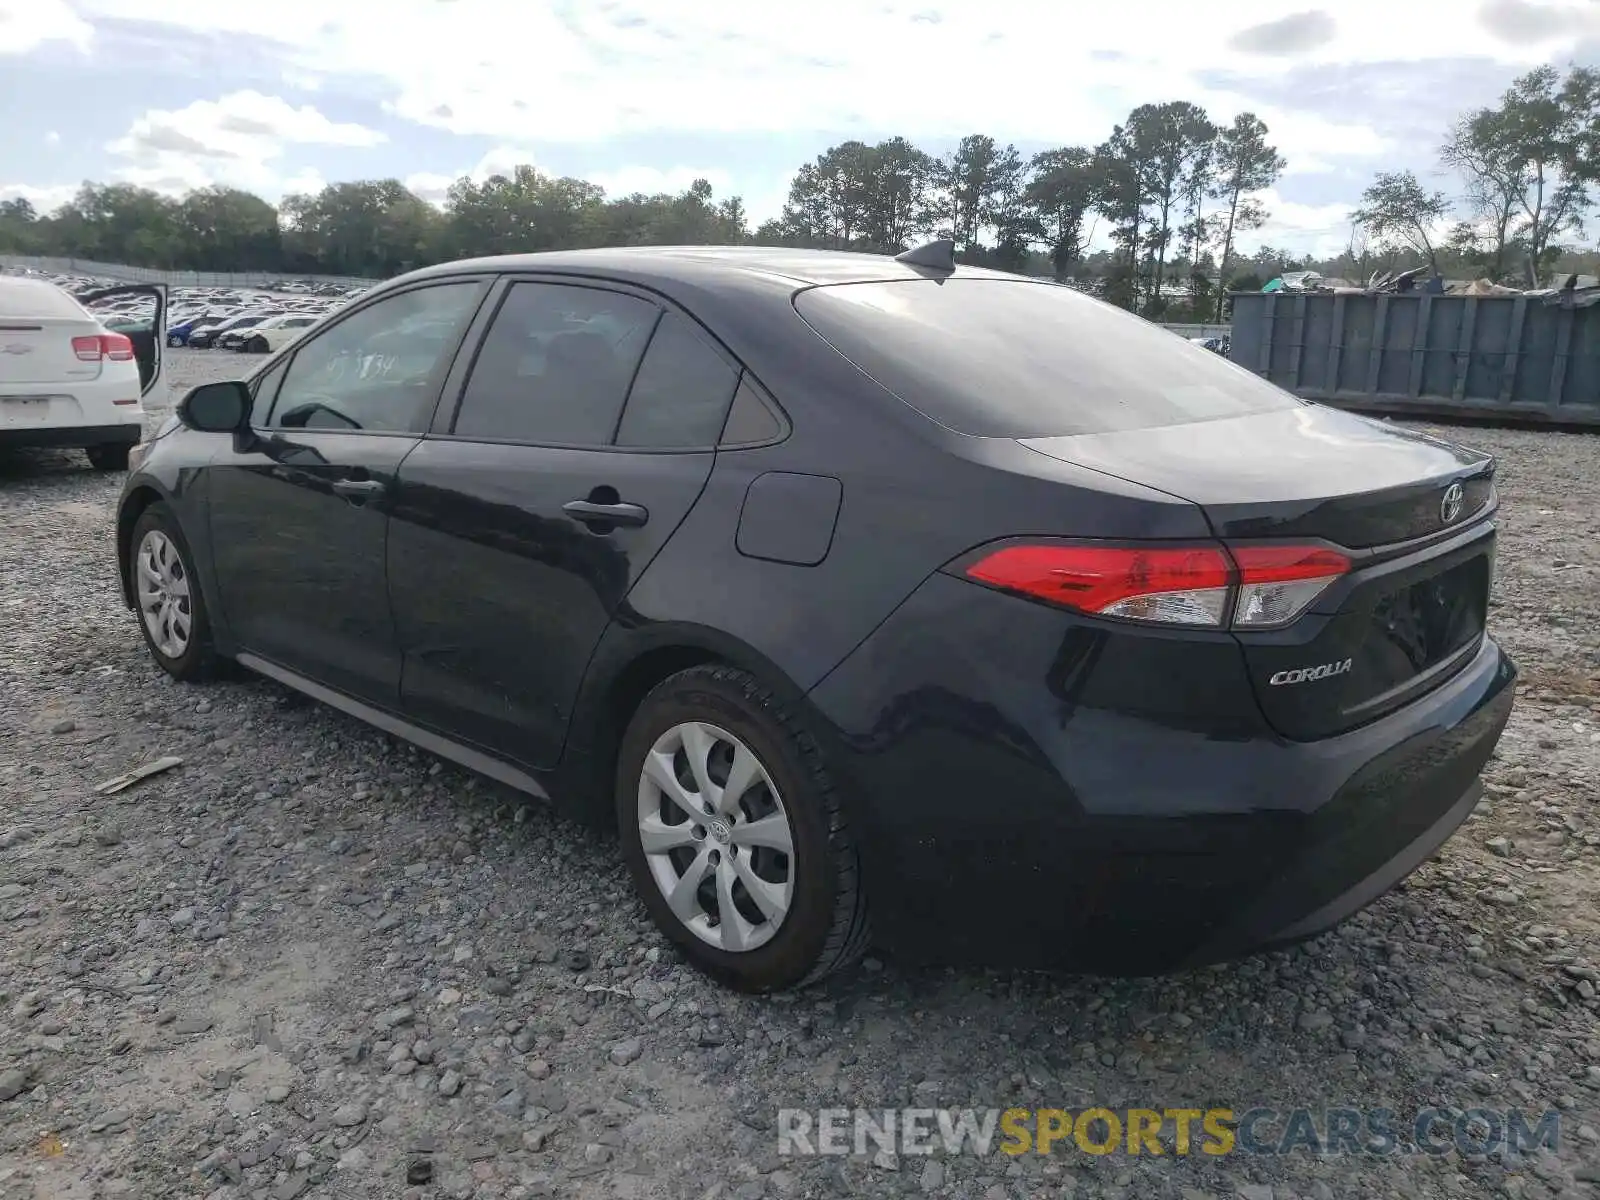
(299, 509)
(520, 524)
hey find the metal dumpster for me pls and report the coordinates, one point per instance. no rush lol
(1522, 358)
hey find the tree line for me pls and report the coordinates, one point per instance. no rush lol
(1167, 195)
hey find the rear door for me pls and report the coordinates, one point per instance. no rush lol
(584, 432)
(299, 510)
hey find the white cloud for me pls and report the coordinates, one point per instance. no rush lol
(45, 199)
(52, 138)
(1320, 230)
(554, 74)
(501, 160)
(624, 181)
(652, 180)
(237, 140)
(25, 25)
(1308, 164)
(548, 73)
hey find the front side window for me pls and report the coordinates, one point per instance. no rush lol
(264, 392)
(380, 370)
(555, 366)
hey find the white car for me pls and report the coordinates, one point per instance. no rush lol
(65, 379)
(275, 333)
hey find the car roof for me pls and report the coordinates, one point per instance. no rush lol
(698, 264)
(21, 297)
(743, 294)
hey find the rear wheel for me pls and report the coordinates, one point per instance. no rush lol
(734, 834)
(172, 612)
(109, 458)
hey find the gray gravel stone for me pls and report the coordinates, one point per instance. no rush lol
(625, 1051)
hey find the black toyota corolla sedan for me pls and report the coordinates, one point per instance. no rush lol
(867, 598)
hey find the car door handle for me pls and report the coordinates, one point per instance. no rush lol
(357, 488)
(592, 513)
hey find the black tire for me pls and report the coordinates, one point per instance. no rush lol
(113, 457)
(257, 345)
(825, 928)
(174, 341)
(199, 661)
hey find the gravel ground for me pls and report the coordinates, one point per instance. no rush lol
(311, 958)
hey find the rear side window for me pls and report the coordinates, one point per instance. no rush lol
(681, 395)
(1003, 358)
(555, 366)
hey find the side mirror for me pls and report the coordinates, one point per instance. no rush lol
(217, 407)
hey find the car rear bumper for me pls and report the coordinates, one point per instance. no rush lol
(1030, 789)
(72, 436)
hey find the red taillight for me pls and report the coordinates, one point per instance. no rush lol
(1260, 586)
(1179, 586)
(94, 346)
(1278, 583)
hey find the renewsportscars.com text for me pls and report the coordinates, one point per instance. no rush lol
(1167, 1131)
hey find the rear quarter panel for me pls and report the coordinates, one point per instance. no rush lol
(912, 496)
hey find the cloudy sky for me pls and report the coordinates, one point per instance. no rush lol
(647, 94)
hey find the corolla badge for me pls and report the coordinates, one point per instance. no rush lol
(1450, 504)
(1308, 674)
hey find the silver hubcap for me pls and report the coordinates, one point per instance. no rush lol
(163, 587)
(716, 836)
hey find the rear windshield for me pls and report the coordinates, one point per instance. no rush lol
(36, 298)
(1003, 358)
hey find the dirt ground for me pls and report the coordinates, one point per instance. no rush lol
(311, 960)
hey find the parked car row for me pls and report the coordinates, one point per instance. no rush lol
(249, 333)
(255, 325)
(78, 354)
(202, 317)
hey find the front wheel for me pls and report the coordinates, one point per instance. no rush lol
(172, 612)
(174, 341)
(734, 833)
(256, 345)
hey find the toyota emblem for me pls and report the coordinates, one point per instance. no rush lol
(1450, 505)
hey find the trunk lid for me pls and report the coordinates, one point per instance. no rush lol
(1412, 512)
(38, 350)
